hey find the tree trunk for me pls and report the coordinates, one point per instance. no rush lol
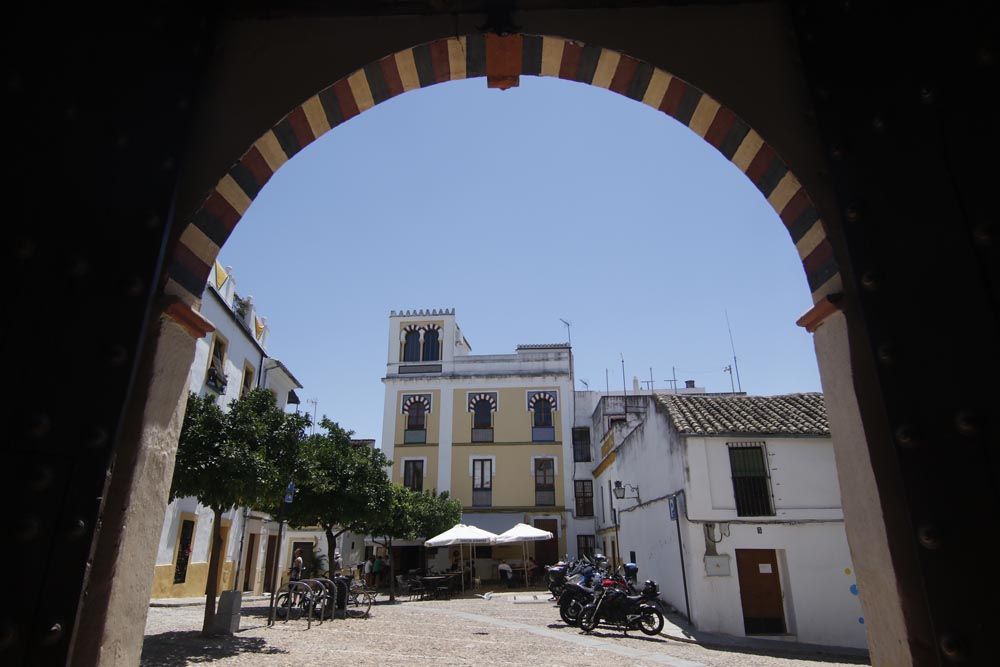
(392, 572)
(214, 564)
(331, 547)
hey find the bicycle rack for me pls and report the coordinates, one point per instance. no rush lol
(292, 585)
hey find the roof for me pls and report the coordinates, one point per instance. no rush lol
(542, 346)
(790, 414)
(298, 385)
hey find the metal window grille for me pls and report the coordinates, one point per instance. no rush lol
(413, 475)
(581, 445)
(545, 482)
(586, 545)
(584, 497)
(751, 479)
(482, 482)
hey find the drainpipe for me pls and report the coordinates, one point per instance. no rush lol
(680, 552)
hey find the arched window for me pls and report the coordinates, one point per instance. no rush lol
(415, 417)
(411, 346)
(482, 414)
(543, 413)
(431, 352)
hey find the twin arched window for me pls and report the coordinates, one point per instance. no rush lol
(430, 346)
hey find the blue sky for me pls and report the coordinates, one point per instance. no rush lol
(519, 207)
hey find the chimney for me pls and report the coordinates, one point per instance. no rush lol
(689, 384)
(635, 384)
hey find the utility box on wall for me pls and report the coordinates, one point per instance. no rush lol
(717, 566)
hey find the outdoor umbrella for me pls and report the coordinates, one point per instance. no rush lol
(523, 533)
(461, 534)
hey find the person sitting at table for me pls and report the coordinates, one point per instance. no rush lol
(506, 574)
(456, 563)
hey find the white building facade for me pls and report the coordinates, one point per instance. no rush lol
(228, 362)
(732, 504)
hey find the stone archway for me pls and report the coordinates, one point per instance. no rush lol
(501, 59)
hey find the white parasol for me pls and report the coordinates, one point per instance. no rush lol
(462, 534)
(523, 533)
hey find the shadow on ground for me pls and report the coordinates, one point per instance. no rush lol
(174, 649)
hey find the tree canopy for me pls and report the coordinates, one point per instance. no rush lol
(340, 485)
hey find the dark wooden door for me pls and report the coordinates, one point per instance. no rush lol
(248, 575)
(547, 552)
(272, 550)
(760, 591)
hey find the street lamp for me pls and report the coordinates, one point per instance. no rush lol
(619, 491)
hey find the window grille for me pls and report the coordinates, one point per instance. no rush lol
(581, 445)
(413, 475)
(586, 545)
(751, 480)
(411, 346)
(584, 497)
(184, 551)
(545, 482)
(482, 482)
(431, 347)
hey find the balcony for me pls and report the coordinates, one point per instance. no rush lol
(543, 434)
(482, 435)
(482, 497)
(414, 436)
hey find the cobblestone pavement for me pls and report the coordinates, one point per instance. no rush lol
(451, 632)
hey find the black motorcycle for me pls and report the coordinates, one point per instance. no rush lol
(615, 607)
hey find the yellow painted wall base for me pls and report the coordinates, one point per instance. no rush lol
(194, 584)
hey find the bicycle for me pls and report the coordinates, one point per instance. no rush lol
(302, 600)
(361, 597)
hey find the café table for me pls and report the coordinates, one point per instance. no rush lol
(434, 584)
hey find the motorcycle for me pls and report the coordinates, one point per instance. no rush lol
(577, 594)
(615, 607)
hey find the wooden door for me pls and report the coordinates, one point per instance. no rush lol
(269, 556)
(760, 591)
(547, 552)
(248, 575)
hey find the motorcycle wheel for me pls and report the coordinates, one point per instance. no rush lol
(650, 620)
(570, 610)
(588, 618)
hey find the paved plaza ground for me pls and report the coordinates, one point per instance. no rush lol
(462, 631)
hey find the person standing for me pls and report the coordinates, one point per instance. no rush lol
(378, 568)
(369, 567)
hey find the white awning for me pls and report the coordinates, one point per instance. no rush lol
(495, 522)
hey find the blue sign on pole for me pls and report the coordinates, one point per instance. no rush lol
(673, 508)
(290, 492)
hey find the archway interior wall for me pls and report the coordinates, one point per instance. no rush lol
(477, 56)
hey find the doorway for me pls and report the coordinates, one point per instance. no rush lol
(760, 592)
(269, 556)
(547, 552)
(248, 575)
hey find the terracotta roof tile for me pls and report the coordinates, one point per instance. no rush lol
(791, 414)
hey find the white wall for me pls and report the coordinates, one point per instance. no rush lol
(807, 530)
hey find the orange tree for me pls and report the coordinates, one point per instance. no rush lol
(236, 458)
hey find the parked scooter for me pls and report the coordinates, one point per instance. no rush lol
(579, 593)
(615, 607)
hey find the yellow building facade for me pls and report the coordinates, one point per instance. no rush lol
(492, 430)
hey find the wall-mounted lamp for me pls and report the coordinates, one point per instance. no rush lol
(619, 490)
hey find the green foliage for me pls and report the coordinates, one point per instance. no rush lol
(338, 484)
(241, 457)
(397, 520)
(434, 514)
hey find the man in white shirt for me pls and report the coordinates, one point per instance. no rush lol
(506, 574)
